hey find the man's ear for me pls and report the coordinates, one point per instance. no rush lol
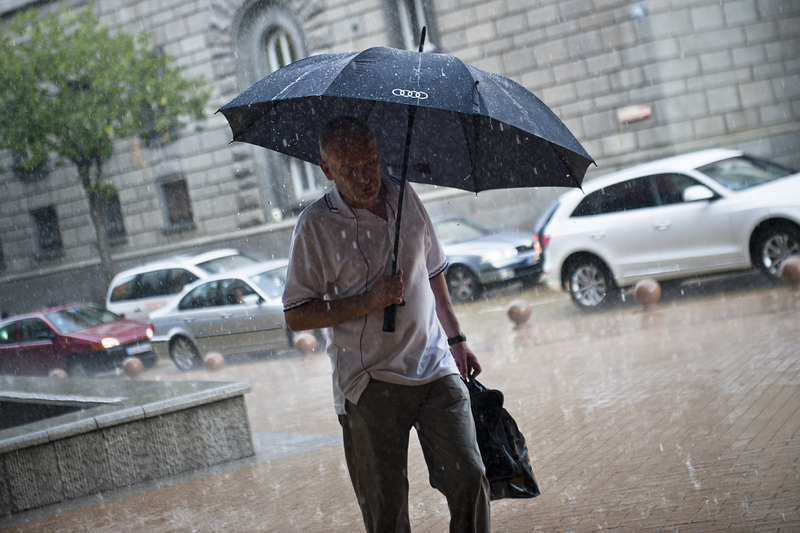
(326, 170)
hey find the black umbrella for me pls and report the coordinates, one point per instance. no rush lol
(437, 121)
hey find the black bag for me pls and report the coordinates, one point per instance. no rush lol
(502, 445)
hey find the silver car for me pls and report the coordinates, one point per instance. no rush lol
(233, 313)
(479, 256)
(136, 292)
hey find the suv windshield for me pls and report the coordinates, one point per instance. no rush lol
(229, 262)
(80, 317)
(743, 172)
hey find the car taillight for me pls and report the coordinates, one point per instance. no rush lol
(540, 244)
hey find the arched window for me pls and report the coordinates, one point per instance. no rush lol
(268, 37)
(280, 51)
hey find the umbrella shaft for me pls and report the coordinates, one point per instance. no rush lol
(390, 312)
(412, 113)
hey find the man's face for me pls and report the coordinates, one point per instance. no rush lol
(354, 166)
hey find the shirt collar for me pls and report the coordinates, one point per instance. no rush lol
(337, 204)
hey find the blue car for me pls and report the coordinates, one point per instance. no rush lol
(480, 256)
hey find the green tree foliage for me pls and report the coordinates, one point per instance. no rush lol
(70, 87)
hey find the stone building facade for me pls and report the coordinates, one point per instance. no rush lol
(633, 82)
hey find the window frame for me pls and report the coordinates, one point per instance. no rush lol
(599, 209)
(46, 218)
(113, 218)
(172, 224)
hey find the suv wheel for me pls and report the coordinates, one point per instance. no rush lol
(184, 354)
(590, 283)
(773, 245)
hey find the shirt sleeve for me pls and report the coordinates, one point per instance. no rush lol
(435, 258)
(304, 274)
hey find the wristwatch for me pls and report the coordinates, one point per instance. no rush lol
(455, 340)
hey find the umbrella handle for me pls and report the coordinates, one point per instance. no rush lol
(389, 318)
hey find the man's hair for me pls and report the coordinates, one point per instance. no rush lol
(350, 126)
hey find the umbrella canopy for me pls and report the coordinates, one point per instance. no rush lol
(473, 130)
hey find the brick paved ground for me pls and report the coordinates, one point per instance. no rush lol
(681, 419)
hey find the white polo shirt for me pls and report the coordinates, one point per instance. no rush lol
(339, 251)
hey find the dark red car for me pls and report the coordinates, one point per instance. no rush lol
(80, 338)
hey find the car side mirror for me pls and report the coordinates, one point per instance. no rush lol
(251, 299)
(695, 193)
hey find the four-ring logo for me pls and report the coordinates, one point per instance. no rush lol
(410, 94)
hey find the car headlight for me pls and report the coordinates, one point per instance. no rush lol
(109, 342)
(498, 255)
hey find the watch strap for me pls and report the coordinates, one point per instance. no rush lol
(455, 340)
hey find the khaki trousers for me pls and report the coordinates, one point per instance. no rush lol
(376, 433)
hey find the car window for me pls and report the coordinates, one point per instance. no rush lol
(151, 284)
(162, 282)
(177, 279)
(628, 195)
(80, 317)
(271, 282)
(670, 187)
(34, 329)
(8, 333)
(234, 291)
(227, 263)
(743, 172)
(123, 290)
(454, 231)
(206, 295)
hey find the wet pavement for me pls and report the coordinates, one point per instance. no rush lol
(683, 418)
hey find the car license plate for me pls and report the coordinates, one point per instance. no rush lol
(139, 348)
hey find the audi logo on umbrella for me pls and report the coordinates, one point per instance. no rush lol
(405, 93)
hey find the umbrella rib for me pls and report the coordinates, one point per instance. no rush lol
(302, 77)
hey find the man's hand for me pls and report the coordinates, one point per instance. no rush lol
(466, 361)
(319, 314)
(387, 291)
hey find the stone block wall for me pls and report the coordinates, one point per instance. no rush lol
(125, 454)
(714, 73)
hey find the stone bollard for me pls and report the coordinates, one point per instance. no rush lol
(132, 366)
(647, 293)
(57, 373)
(519, 311)
(305, 343)
(790, 271)
(214, 361)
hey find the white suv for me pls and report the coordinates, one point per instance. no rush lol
(700, 213)
(135, 292)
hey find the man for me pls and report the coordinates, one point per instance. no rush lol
(386, 383)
